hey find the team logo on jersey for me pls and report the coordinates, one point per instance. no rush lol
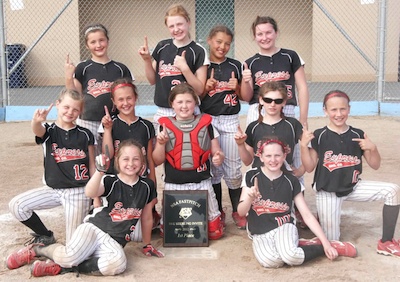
(333, 162)
(96, 88)
(261, 77)
(168, 70)
(267, 206)
(64, 155)
(221, 87)
(119, 213)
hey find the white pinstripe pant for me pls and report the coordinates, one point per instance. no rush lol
(213, 211)
(75, 203)
(90, 241)
(329, 206)
(278, 246)
(230, 169)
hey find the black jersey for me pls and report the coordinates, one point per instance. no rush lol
(141, 130)
(339, 160)
(96, 80)
(289, 130)
(276, 204)
(281, 66)
(123, 205)
(167, 75)
(222, 100)
(66, 156)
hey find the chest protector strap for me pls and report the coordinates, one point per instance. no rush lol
(189, 144)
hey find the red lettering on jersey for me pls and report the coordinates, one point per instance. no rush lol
(267, 206)
(282, 219)
(65, 155)
(261, 77)
(96, 88)
(168, 70)
(118, 213)
(332, 161)
(221, 87)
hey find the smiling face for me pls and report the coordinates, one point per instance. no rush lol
(273, 157)
(265, 36)
(97, 43)
(124, 99)
(183, 106)
(178, 27)
(129, 160)
(338, 110)
(68, 110)
(220, 43)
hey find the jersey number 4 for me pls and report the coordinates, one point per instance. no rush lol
(230, 99)
(81, 172)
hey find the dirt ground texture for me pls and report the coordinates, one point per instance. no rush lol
(230, 258)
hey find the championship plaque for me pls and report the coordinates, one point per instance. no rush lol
(185, 218)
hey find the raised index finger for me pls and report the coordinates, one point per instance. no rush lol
(146, 44)
(212, 73)
(246, 67)
(106, 111)
(50, 107)
(256, 184)
(233, 74)
(67, 58)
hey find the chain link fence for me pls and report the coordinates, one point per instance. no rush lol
(352, 45)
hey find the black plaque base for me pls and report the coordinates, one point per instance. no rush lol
(185, 218)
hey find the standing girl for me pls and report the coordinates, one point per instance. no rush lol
(277, 64)
(221, 101)
(93, 78)
(175, 60)
(126, 125)
(96, 247)
(336, 152)
(268, 198)
(184, 145)
(68, 163)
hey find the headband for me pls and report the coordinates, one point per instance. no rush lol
(121, 85)
(92, 28)
(336, 94)
(269, 141)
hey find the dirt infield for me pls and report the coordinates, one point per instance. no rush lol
(228, 259)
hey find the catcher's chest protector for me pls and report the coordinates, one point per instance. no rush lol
(189, 144)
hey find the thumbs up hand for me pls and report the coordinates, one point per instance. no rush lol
(233, 82)
(218, 158)
(246, 73)
(180, 61)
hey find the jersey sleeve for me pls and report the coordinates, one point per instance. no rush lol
(41, 140)
(79, 72)
(297, 62)
(250, 138)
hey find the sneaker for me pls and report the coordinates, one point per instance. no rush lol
(240, 221)
(389, 248)
(21, 257)
(41, 239)
(345, 249)
(45, 268)
(156, 220)
(223, 215)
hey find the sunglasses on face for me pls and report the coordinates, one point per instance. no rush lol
(269, 100)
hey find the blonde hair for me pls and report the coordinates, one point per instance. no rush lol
(128, 143)
(176, 10)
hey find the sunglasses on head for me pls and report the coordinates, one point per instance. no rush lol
(269, 100)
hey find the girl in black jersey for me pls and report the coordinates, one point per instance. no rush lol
(96, 247)
(336, 153)
(268, 198)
